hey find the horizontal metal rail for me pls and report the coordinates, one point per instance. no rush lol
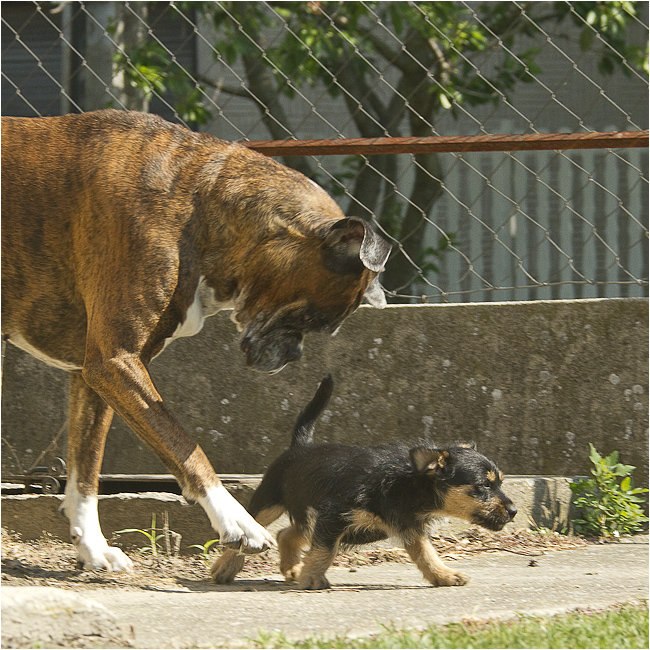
(54, 482)
(451, 144)
(170, 478)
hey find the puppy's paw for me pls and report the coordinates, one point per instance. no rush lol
(313, 582)
(225, 568)
(449, 579)
(291, 573)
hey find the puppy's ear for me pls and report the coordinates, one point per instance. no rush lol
(429, 461)
(466, 445)
(352, 241)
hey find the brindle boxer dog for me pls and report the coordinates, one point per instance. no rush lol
(122, 232)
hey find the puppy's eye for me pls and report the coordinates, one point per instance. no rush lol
(487, 484)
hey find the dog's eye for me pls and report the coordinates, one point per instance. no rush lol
(487, 484)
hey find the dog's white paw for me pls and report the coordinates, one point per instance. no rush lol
(93, 553)
(237, 529)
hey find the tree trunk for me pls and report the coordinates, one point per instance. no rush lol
(130, 34)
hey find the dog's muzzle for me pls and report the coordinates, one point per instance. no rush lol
(497, 518)
(273, 351)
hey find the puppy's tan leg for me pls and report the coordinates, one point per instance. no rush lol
(427, 560)
(225, 568)
(292, 543)
(317, 560)
(90, 419)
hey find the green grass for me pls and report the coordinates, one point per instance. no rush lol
(624, 627)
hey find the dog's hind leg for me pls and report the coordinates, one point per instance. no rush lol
(231, 562)
(90, 419)
(433, 569)
(292, 543)
(324, 546)
(317, 560)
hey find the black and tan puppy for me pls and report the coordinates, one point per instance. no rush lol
(339, 495)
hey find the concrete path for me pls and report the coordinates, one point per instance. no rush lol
(360, 601)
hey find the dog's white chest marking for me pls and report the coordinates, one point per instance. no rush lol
(20, 342)
(204, 305)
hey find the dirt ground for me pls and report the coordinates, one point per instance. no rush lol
(50, 562)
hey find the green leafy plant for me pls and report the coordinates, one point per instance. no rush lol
(150, 534)
(205, 548)
(148, 68)
(608, 507)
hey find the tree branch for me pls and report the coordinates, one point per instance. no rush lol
(238, 91)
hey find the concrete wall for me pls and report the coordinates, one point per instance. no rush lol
(544, 501)
(532, 383)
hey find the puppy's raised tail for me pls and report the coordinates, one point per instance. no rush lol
(304, 430)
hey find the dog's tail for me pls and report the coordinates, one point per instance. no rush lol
(304, 430)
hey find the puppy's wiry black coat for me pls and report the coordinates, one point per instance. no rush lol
(347, 495)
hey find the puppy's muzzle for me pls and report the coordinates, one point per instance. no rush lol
(496, 517)
(273, 351)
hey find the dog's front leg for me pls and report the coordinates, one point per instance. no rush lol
(90, 419)
(124, 382)
(433, 569)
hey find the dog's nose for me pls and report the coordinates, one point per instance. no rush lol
(511, 510)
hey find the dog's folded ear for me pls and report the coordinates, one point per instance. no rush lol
(352, 240)
(427, 460)
(375, 294)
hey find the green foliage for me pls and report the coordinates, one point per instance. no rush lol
(609, 508)
(205, 550)
(437, 48)
(606, 22)
(149, 69)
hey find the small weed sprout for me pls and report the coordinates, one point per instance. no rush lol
(150, 534)
(172, 539)
(608, 508)
(205, 549)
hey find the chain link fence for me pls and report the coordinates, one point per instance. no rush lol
(465, 226)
